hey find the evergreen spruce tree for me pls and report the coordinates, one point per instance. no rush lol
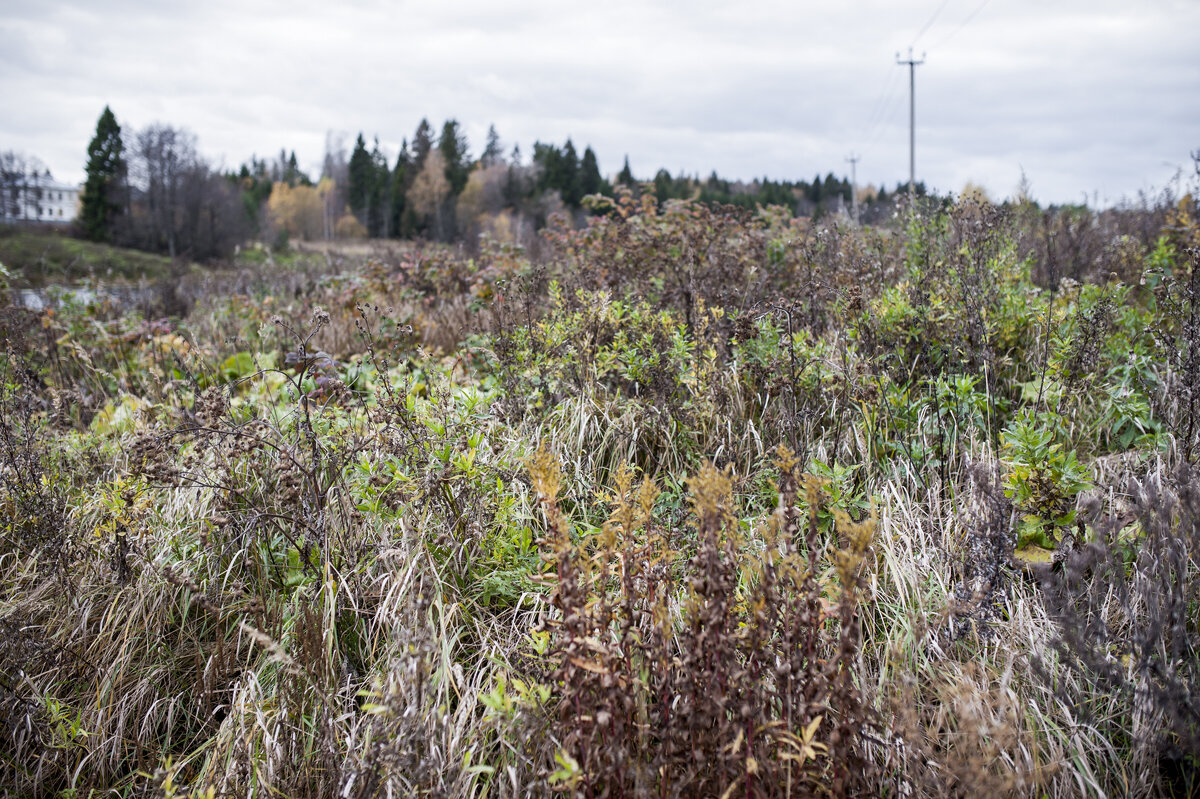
(815, 192)
(831, 188)
(662, 185)
(493, 154)
(569, 185)
(399, 186)
(422, 143)
(106, 171)
(453, 147)
(294, 176)
(360, 179)
(548, 160)
(625, 176)
(590, 181)
(514, 184)
(378, 214)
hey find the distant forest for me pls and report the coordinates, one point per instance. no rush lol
(152, 190)
(436, 188)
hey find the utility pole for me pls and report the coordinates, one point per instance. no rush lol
(912, 118)
(853, 159)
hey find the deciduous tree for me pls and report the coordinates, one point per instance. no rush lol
(297, 210)
(164, 155)
(179, 205)
(429, 192)
(19, 177)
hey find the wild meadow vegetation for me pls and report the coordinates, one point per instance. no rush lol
(694, 501)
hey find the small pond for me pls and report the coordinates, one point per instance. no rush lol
(121, 296)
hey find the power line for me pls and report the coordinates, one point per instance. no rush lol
(880, 120)
(882, 125)
(961, 25)
(929, 23)
(880, 128)
(881, 102)
(881, 110)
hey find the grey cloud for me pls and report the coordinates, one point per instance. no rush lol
(1084, 95)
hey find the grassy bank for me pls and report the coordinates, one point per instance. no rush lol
(37, 258)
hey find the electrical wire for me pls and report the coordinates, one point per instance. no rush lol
(932, 19)
(961, 25)
(882, 125)
(882, 111)
(881, 102)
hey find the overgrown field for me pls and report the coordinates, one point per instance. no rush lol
(695, 503)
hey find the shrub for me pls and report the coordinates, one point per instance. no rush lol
(753, 691)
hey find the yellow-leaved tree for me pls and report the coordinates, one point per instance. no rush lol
(299, 210)
(428, 193)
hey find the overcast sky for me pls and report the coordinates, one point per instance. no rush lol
(1087, 96)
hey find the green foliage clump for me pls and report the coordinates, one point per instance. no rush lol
(1043, 480)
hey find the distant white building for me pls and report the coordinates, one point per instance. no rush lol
(37, 197)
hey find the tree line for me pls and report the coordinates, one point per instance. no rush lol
(435, 189)
(150, 189)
